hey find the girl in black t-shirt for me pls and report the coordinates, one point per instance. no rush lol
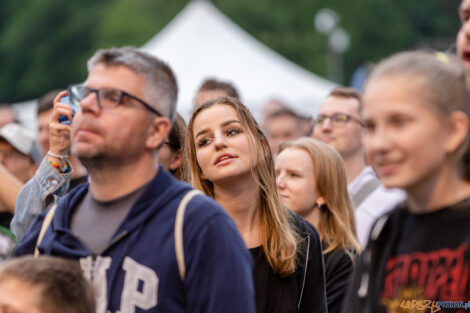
(229, 159)
(416, 116)
(311, 179)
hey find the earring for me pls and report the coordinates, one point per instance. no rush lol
(319, 205)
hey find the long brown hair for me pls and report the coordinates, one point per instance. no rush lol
(278, 235)
(337, 224)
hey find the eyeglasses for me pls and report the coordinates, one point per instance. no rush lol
(108, 98)
(337, 119)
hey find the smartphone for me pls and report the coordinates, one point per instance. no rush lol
(63, 119)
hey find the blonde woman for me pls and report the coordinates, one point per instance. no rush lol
(230, 160)
(311, 179)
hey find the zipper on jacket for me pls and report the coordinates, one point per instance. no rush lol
(305, 272)
(114, 241)
(92, 267)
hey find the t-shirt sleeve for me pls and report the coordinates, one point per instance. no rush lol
(218, 267)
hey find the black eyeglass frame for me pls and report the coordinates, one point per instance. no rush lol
(331, 117)
(75, 99)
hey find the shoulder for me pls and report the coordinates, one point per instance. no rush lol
(301, 225)
(380, 201)
(386, 221)
(202, 206)
(202, 213)
(337, 258)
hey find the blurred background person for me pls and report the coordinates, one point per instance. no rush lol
(339, 126)
(306, 125)
(19, 157)
(463, 36)
(281, 126)
(20, 153)
(311, 180)
(269, 108)
(44, 285)
(7, 115)
(171, 153)
(416, 117)
(212, 88)
(229, 159)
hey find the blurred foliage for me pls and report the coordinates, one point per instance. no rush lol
(45, 44)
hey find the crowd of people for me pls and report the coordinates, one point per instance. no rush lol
(120, 206)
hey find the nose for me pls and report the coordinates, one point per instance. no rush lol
(219, 141)
(378, 141)
(90, 104)
(280, 182)
(326, 125)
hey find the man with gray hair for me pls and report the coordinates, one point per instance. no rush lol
(127, 227)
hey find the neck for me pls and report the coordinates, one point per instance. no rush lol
(241, 201)
(354, 165)
(111, 182)
(314, 218)
(443, 189)
(78, 170)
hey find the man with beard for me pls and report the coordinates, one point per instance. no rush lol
(121, 226)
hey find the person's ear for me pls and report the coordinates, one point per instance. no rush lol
(175, 160)
(457, 131)
(158, 129)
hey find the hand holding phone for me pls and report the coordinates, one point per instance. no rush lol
(63, 119)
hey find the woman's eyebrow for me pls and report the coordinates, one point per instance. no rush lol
(205, 130)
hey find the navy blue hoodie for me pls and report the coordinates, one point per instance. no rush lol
(138, 271)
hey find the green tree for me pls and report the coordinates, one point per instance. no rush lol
(45, 44)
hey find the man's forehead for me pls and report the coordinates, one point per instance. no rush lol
(115, 76)
(334, 104)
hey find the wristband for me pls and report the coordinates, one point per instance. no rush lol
(62, 168)
(57, 156)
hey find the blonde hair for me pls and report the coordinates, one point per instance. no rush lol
(446, 87)
(278, 235)
(337, 225)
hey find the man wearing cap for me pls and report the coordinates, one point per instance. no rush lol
(19, 156)
(19, 151)
(123, 226)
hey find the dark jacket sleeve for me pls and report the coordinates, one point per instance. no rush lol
(314, 293)
(219, 268)
(351, 302)
(338, 269)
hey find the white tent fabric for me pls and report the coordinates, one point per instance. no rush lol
(201, 42)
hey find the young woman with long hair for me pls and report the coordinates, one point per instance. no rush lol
(311, 179)
(229, 159)
(416, 115)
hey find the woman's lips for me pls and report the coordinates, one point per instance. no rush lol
(224, 159)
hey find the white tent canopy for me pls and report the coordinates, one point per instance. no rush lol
(201, 42)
